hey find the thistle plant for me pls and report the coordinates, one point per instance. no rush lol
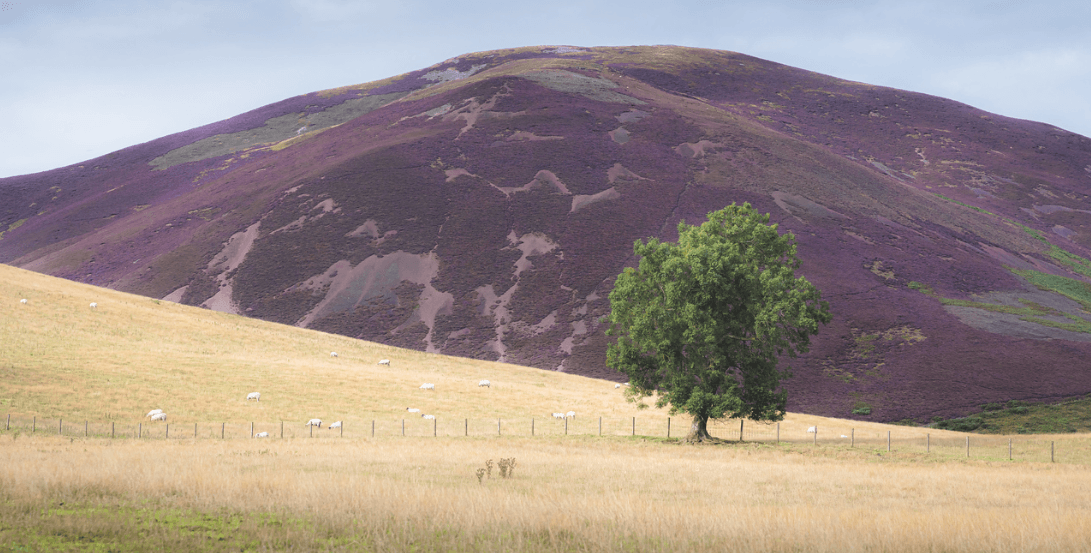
(488, 466)
(480, 475)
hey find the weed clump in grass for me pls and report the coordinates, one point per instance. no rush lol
(507, 467)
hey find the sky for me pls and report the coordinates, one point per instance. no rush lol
(82, 78)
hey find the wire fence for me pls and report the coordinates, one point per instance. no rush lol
(913, 440)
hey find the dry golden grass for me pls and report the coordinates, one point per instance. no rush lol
(59, 359)
(578, 493)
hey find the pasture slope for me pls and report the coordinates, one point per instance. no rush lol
(567, 493)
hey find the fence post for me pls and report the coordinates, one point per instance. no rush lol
(1050, 452)
(600, 426)
(888, 441)
(1009, 449)
(251, 429)
(8, 427)
(60, 426)
(740, 429)
(111, 429)
(634, 426)
(342, 430)
(816, 434)
(467, 429)
(34, 424)
(498, 433)
(778, 432)
(566, 426)
(967, 446)
(167, 435)
(928, 443)
(668, 427)
(140, 430)
(435, 422)
(312, 429)
(281, 429)
(852, 438)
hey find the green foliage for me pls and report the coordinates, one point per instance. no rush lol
(965, 424)
(861, 408)
(1017, 417)
(703, 322)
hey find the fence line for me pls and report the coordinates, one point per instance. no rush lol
(949, 444)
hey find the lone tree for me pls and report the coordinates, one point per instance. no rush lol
(703, 322)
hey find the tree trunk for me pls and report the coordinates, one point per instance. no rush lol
(698, 432)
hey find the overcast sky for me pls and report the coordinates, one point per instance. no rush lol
(82, 78)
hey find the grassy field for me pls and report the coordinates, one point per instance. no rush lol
(581, 492)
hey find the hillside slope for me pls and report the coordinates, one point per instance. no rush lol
(481, 208)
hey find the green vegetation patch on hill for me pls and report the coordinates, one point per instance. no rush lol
(1017, 417)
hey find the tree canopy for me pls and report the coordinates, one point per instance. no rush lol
(704, 322)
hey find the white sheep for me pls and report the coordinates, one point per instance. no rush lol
(334, 425)
(616, 386)
(93, 305)
(570, 415)
(384, 362)
(812, 430)
(261, 435)
(23, 301)
(558, 415)
(333, 354)
(430, 417)
(153, 412)
(314, 422)
(484, 383)
(428, 386)
(159, 417)
(844, 436)
(256, 396)
(412, 409)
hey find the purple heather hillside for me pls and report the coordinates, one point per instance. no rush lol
(483, 206)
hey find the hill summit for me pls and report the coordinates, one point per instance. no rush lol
(481, 207)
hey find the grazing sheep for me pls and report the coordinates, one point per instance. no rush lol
(384, 362)
(314, 422)
(93, 305)
(153, 412)
(485, 383)
(616, 386)
(334, 425)
(570, 415)
(558, 415)
(428, 416)
(812, 430)
(159, 417)
(256, 396)
(261, 435)
(412, 410)
(23, 301)
(844, 436)
(333, 354)
(428, 386)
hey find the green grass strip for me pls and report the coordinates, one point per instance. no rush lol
(1071, 288)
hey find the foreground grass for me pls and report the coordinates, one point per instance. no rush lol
(567, 494)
